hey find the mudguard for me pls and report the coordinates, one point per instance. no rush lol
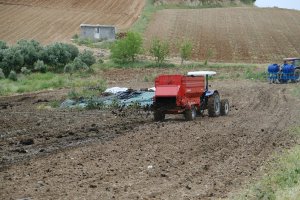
(209, 93)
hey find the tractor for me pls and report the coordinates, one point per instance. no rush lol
(188, 95)
(288, 72)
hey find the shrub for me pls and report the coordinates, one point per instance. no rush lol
(13, 76)
(3, 45)
(58, 55)
(160, 50)
(87, 57)
(77, 64)
(12, 59)
(25, 71)
(40, 66)
(30, 50)
(185, 50)
(2, 76)
(73, 50)
(125, 50)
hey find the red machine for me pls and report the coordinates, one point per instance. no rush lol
(188, 95)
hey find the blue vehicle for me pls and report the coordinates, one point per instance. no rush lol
(288, 72)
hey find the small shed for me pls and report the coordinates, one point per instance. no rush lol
(98, 32)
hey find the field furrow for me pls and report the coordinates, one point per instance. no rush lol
(232, 34)
(51, 21)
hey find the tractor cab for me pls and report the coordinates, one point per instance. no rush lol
(292, 61)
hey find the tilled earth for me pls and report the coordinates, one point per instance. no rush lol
(75, 154)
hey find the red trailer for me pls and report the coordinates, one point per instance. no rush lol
(188, 95)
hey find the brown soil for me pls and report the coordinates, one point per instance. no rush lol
(51, 21)
(252, 35)
(73, 154)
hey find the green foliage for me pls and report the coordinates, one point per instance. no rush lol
(2, 76)
(58, 55)
(186, 49)
(11, 59)
(255, 75)
(40, 66)
(248, 1)
(25, 71)
(126, 49)
(209, 54)
(87, 57)
(77, 64)
(3, 45)
(30, 50)
(160, 50)
(13, 76)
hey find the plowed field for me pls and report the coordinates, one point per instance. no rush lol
(53, 20)
(250, 35)
(96, 154)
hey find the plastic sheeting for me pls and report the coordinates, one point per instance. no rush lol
(124, 99)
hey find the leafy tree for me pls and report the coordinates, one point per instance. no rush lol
(31, 51)
(12, 59)
(57, 55)
(87, 57)
(185, 50)
(160, 50)
(126, 49)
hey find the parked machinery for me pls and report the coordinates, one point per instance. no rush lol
(188, 95)
(288, 72)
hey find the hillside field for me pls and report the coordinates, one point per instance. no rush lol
(49, 21)
(232, 34)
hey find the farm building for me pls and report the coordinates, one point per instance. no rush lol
(98, 32)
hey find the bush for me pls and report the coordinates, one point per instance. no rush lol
(30, 50)
(77, 64)
(13, 76)
(125, 50)
(185, 50)
(12, 59)
(160, 50)
(57, 55)
(3, 45)
(25, 71)
(2, 76)
(87, 57)
(40, 66)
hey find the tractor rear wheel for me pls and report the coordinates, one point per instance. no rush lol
(190, 114)
(297, 75)
(224, 107)
(158, 116)
(214, 105)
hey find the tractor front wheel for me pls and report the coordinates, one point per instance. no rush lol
(190, 114)
(213, 105)
(224, 107)
(158, 116)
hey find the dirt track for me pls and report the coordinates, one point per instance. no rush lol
(98, 155)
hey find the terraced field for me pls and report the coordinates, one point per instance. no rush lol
(232, 34)
(49, 21)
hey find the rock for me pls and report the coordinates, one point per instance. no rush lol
(93, 186)
(27, 141)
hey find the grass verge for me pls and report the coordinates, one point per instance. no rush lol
(46, 81)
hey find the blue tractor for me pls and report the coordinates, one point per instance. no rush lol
(288, 72)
